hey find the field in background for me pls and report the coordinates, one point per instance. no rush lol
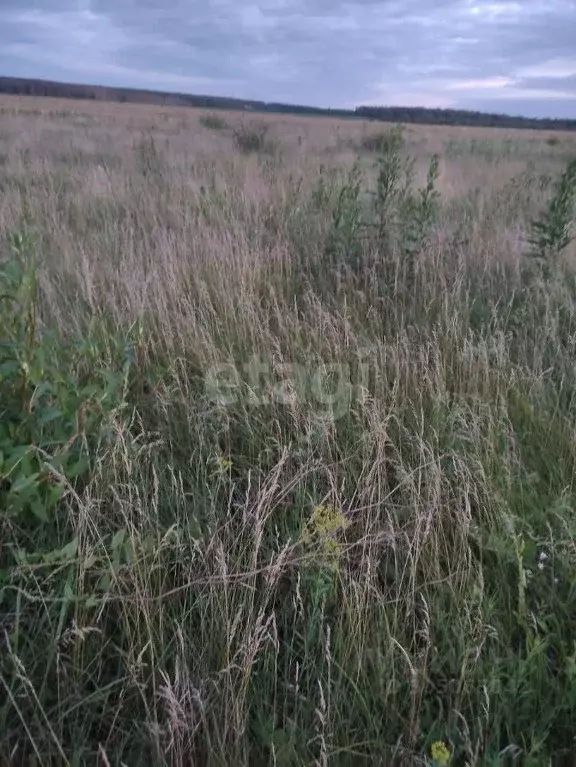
(287, 441)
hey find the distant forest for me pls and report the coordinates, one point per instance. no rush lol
(394, 114)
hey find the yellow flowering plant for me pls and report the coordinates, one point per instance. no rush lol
(440, 754)
(321, 529)
(224, 465)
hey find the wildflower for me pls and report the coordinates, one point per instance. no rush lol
(331, 548)
(543, 556)
(325, 521)
(440, 753)
(321, 528)
(224, 464)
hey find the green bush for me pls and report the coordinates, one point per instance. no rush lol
(148, 157)
(356, 545)
(383, 142)
(553, 231)
(421, 210)
(393, 218)
(253, 138)
(213, 122)
(54, 397)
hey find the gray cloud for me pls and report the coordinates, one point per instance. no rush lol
(499, 55)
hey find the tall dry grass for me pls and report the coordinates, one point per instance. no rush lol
(329, 511)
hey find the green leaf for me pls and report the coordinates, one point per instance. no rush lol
(21, 556)
(128, 551)
(43, 388)
(23, 483)
(59, 460)
(16, 454)
(90, 561)
(105, 582)
(78, 468)
(118, 539)
(39, 510)
(68, 591)
(9, 369)
(49, 414)
(70, 550)
(54, 494)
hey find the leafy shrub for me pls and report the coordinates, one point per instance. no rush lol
(53, 400)
(253, 138)
(213, 122)
(347, 223)
(383, 142)
(421, 210)
(395, 175)
(396, 217)
(553, 231)
(148, 157)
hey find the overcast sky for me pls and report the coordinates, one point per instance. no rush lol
(514, 57)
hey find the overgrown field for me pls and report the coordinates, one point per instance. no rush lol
(287, 441)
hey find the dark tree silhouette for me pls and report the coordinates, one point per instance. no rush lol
(394, 114)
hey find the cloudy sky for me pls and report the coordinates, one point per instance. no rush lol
(515, 57)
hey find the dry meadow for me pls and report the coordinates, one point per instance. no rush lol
(287, 441)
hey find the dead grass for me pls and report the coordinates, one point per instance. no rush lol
(423, 402)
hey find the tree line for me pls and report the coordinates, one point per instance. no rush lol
(395, 114)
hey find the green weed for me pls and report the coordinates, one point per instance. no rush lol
(553, 231)
(214, 122)
(287, 459)
(253, 138)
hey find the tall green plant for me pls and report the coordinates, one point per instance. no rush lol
(48, 410)
(553, 231)
(213, 122)
(253, 138)
(395, 174)
(148, 157)
(345, 236)
(402, 215)
(420, 210)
